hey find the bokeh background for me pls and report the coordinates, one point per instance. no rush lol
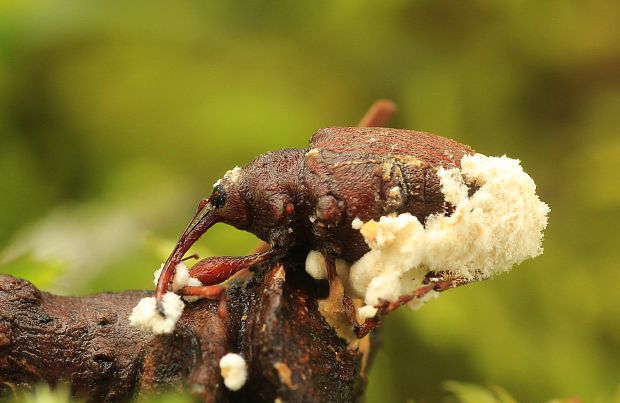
(117, 116)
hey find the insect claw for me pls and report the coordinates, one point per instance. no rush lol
(160, 309)
(366, 327)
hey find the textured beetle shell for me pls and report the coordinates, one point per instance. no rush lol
(367, 173)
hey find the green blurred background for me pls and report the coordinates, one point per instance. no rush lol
(117, 116)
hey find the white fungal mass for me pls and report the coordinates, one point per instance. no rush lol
(181, 279)
(146, 316)
(234, 371)
(499, 225)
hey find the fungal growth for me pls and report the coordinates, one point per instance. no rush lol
(488, 232)
(145, 314)
(234, 371)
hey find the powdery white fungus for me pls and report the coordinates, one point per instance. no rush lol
(181, 279)
(234, 371)
(500, 225)
(233, 174)
(146, 316)
(366, 312)
(395, 194)
(418, 303)
(316, 267)
(313, 152)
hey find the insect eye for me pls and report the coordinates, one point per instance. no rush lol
(218, 198)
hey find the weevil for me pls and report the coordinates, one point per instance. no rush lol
(310, 196)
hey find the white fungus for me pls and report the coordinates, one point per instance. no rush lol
(499, 226)
(366, 312)
(181, 279)
(146, 316)
(315, 265)
(357, 223)
(313, 152)
(233, 174)
(234, 371)
(317, 269)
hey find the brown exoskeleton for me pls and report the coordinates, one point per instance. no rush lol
(311, 196)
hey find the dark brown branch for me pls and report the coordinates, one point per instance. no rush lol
(273, 322)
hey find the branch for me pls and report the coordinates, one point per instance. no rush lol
(272, 321)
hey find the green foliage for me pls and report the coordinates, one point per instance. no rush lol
(117, 116)
(469, 393)
(169, 397)
(44, 394)
(39, 271)
(62, 394)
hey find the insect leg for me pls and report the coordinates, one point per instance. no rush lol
(217, 269)
(332, 278)
(438, 282)
(214, 292)
(204, 291)
(379, 114)
(330, 265)
(366, 327)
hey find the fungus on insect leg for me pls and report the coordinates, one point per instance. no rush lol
(433, 282)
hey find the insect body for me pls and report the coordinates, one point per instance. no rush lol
(311, 196)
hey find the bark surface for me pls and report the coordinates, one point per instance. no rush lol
(272, 320)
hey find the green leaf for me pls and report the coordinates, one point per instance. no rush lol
(169, 397)
(44, 394)
(471, 393)
(40, 272)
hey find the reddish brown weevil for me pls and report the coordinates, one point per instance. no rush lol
(311, 196)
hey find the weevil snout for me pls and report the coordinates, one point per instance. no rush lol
(224, 205)
(206, 216)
